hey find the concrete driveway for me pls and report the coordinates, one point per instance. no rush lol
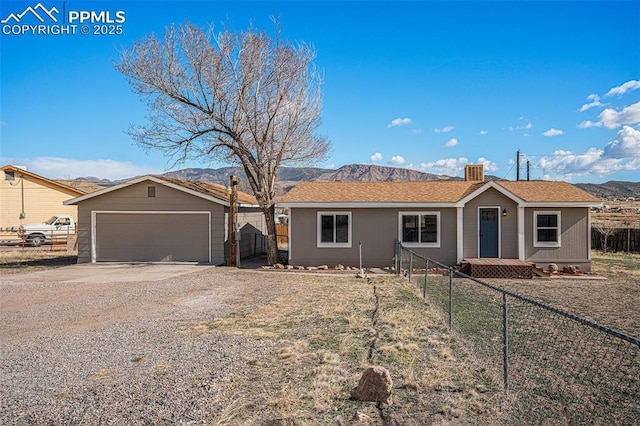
(103, 273)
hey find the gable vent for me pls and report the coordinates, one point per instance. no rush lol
(474, 172)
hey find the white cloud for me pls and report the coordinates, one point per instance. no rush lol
(611, 119)
(553, 132)
(595, 102)
(376, 157)
(623, 88)
(525, 127)
(399, 122)
(625, 145)
(446, 166)
(489, 166)
(398, 160)
(69, 168)
(588, 123)
(526, 135)
(451, 142)
(621, 154)
(484, 132)
(445, 129)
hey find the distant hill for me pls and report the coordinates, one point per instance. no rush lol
(81, 185)
(289, 176)
(612, 190)
(373, 173)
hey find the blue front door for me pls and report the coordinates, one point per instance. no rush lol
(488, 232)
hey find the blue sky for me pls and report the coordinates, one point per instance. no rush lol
(424, 85)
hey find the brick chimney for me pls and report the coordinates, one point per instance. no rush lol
(474, 172)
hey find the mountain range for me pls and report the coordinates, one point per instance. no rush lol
(289, 176)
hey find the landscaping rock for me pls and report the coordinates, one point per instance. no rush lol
(323, 267)
(553, 267)
(375, 385)
(278, 266)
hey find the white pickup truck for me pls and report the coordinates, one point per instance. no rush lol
(37, 234)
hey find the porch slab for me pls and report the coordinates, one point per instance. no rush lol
(497, 268)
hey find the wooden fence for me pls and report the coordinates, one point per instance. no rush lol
(624, 240)
(282, 231)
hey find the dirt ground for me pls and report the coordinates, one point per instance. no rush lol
(221, 346)
(90, 345)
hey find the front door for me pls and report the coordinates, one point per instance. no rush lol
(488, 232)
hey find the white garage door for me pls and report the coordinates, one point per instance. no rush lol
(152, 237)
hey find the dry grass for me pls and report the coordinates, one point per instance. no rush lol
(20, 260)
(324, 328)
(612, 302)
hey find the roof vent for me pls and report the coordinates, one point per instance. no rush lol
(474, 172)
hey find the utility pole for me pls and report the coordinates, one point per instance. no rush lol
(233, 207)
(518, 166)
(528, 169)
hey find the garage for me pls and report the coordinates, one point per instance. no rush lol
(163, 219)
(152, 237)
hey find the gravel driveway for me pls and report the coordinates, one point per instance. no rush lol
(116, 344)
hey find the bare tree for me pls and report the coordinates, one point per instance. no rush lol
(606, 228)
(243, 98)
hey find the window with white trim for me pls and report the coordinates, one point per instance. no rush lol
(334, 229)
(420, 229)
(546, 229)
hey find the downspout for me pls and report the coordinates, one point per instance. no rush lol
(23, 214)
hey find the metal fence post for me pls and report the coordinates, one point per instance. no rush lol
(426, 280)
(505, 340)
(410, 264)
(450, 299)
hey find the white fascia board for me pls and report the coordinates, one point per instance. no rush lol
(559, 204)
(313, 205)
(142, 179)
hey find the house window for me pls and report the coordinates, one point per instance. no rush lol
(9, 175)
(546, 229)
(151, 191)
(334, 229)
(420, 229)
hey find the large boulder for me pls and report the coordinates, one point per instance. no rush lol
(375, 385)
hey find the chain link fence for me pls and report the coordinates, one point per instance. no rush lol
(556, 366)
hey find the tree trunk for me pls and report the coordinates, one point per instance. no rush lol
(272, 238)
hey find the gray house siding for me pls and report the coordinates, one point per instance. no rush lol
(574, 239)
(135, 198)
(508, 224)
(376, 228)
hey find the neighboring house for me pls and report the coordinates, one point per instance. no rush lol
(160, 219)
(26, 197)
(536, 221)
